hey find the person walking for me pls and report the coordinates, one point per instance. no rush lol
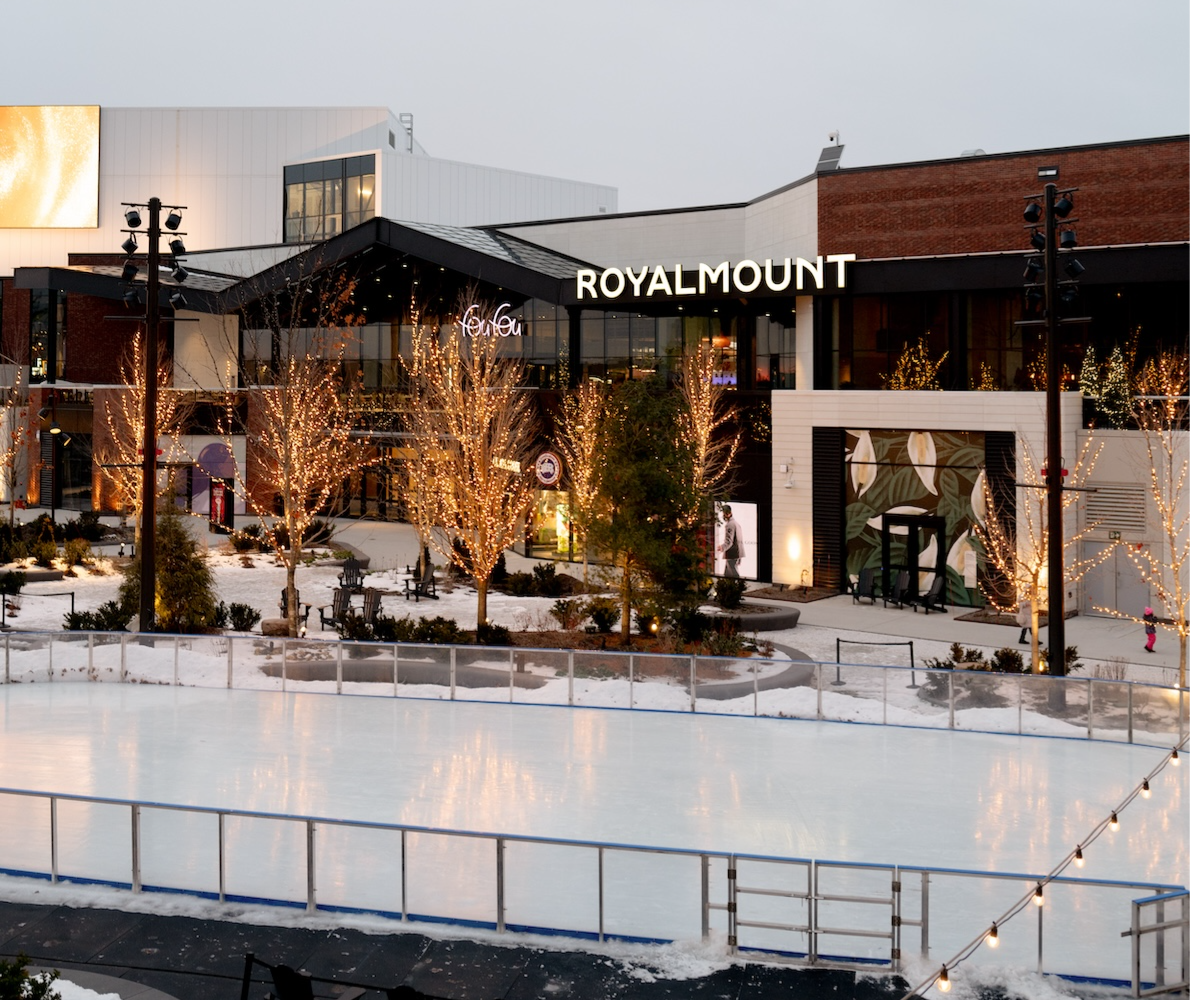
(1024, 619)
(1151, 623)
(733, 545)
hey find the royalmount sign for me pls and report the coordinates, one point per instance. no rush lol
(743, 277)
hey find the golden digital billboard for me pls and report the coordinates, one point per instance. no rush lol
(49, 167)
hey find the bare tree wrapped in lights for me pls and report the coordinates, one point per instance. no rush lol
(124, 426)
(1016, 547)
(15, 438)
(473, 429)
(915, 368)
(301, 415)
(705, 421)
(578, 439)
(1161, 410)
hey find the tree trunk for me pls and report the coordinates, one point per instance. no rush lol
(1035, 663)
(626, 601)
(481, 602)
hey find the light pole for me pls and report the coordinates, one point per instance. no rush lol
(1052, 213)
(148, 550)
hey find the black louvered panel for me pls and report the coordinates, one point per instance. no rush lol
(1000, 473)
(45, 475)
(827, 512)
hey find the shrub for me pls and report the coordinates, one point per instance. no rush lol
(44, 553)
(86, 526)
(568, 614)
(1007, 661)
(221, 617)
(690, 624)
(729, 591)
(546, 582)
(500, 572)
(17, 984)
(490, 634)
(12, 582)
(1072, 660)
(438, 630)
(604, 613)
(519, 584)
(956, 656)
(108, 617)
(244, 617)
(725, 640)
(242, 541)
(77, 552)
(43, 529)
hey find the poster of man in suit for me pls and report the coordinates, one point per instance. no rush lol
(736, 540)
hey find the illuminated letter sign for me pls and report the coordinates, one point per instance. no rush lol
(742, 278)
(500, 325)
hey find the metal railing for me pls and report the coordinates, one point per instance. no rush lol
(1150, 932)
(1021, 704)
(805, 911)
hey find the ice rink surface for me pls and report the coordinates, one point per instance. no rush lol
(818, 790)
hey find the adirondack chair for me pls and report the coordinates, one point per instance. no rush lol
(865, 586)
(352, 577)
(340, 608)
(901, 590)
(289, 984)
(283, 604)
(371, 605)
(934, 597)
(423, 586)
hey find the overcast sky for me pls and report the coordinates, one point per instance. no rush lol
(674, 103)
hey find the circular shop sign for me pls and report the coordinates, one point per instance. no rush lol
(548, 468)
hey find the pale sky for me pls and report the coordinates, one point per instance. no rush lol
(680, 103)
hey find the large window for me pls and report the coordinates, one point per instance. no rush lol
(47, 334)
(323, 199)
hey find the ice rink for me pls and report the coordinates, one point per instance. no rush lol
(785, 788)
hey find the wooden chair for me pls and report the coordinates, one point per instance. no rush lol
(865, 586)
(934, 597)
(341, 608)
(352, 577)
(371, 605)
(901, 590)
(283, 604)
(423, 586)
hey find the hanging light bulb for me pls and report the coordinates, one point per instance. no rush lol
(1078, 856)
(1174, 757)
(1145, 788)
(944, 981)
(991, 938)
(1038, 895)
(1114, 824)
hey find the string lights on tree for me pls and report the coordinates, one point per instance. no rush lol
(578, 440)
(472, 430)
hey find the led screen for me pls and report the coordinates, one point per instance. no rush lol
(49, 167)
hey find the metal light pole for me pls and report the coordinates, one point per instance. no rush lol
(1056, 206)
(148, 548)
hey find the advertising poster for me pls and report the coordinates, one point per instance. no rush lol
(736, 540)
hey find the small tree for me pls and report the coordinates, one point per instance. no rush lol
(185, 595)
(124, 422)
(578, 440)
(473, 431)
(300, 418)
(915, 368)
(16, 436)
(646, 481)
(1017, 547)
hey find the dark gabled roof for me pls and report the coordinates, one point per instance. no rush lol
(486, 256)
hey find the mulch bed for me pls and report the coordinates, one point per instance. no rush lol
(795, 595)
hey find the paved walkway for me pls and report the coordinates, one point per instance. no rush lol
(148, 957)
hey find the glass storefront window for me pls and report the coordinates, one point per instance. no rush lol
(316, 207)
(47, 334)
(550, 526)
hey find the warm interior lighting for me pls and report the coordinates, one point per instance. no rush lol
(991, 938)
